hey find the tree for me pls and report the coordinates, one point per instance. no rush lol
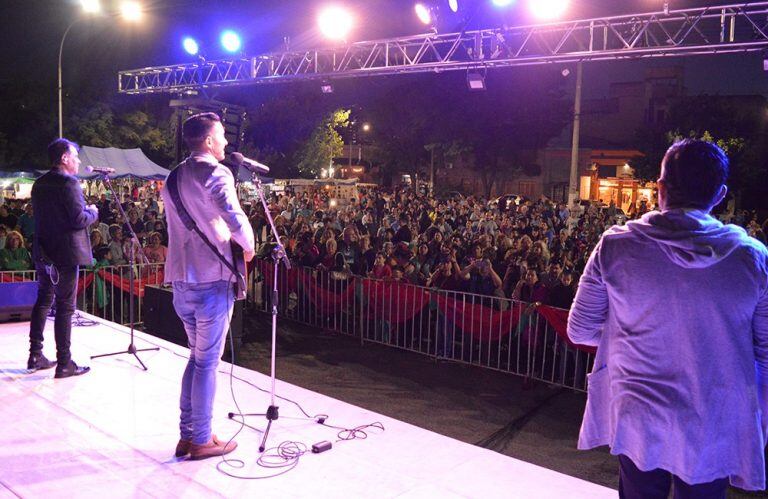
(100, 126)
(736, 124)
(498, 130)
(281, 122)
(324, 144)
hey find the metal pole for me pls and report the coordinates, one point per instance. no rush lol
(573, 184)
(61, 50)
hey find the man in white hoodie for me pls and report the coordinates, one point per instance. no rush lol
(677, 304)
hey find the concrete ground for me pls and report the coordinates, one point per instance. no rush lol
(533, 422)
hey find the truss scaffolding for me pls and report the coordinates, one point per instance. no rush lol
(697, 31)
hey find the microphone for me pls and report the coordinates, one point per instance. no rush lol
(250, 164)
(99, 169)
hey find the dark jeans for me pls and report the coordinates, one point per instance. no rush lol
(63, 287)
(634, 483)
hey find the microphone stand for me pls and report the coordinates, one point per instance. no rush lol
(278, 255)
(134, 244)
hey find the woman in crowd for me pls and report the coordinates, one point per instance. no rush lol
(155, 251)
(15, 256)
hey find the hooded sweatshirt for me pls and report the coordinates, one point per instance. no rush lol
(677, 304)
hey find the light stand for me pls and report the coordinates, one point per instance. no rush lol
(134, 244)
(278, 254)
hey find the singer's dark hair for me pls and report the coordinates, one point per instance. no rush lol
(693, 171)
(57, 148)
(197, 127)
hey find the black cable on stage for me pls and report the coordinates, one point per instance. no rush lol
(285, 456)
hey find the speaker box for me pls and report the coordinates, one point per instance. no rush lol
(160, 319)
(17, 300)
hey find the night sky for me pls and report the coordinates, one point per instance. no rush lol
(96, 49)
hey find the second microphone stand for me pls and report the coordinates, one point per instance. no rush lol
(278, 255)
(132, 350)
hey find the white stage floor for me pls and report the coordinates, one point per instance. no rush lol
(112, 432)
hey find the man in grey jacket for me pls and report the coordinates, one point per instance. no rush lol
(203, 293)
(677, 304)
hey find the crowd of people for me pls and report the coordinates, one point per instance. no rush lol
(523, 249)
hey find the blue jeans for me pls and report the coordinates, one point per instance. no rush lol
(205, 309)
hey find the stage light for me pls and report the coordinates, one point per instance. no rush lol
(335, 23)
(131, 11)
(366, 127)
(191, 46)
(453, 5)
(475, 81)
(326, 88)
(504, 3)
(423, 13)
(547, 9)
(91, 6)
(231, 41)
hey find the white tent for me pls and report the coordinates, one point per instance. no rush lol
(126, 163)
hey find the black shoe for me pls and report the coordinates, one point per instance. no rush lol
(38, 361)
(71, 369)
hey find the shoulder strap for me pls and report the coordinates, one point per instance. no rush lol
(173, 189)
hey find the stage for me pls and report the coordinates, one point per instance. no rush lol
(112, 432)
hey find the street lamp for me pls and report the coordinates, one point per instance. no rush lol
(131, 11)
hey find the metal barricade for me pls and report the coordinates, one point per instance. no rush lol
(486, 331)
(104, 291)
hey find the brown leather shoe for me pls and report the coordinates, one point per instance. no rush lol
(182, 448)
(214, 447)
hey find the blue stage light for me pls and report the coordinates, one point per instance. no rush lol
(231, 41)
(502, 3)
(191, 46)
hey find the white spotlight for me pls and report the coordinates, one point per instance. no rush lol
(335, 23)
(548, 9)
(453, 5)
(131, 11)
(423, 13)
(91, 6)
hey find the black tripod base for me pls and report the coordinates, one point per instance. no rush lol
(132, 350)
(271, 415)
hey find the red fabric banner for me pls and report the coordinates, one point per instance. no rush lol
(13, 278)
(558, 319)
(481, 322)
(334, 299)
(138, 284)
(287, 279)
(84, 282)
(394, 301)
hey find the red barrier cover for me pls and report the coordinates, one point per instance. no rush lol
(558, 319)
(331, 300)
(481, 322)
(394, 301)
(138, 284)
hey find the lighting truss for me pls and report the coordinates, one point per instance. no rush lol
(696, 31)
